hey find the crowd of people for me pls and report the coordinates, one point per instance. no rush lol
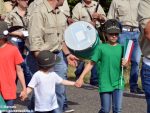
(33, 50)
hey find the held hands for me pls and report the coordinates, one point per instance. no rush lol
(23, 95)
(79, 82)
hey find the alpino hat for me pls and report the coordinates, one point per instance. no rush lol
(112, 26)
(47, 59)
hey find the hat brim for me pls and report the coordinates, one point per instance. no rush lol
(58, 59)
(113, 31)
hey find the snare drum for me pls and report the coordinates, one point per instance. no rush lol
(82, 39)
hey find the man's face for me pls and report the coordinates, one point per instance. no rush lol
(60, 2)
(23, 3)
(89, 1)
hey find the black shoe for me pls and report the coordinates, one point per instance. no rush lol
(137, 91)
(68, 110)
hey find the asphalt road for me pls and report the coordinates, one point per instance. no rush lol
(86, 100)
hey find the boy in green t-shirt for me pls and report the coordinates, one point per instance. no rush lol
(111, 82)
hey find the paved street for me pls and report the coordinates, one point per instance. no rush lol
(86, 100)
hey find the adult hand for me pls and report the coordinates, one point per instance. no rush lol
(70, 20)
(72, 60)
(79, 82)
(95, 16)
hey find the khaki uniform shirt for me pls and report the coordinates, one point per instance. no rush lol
(65, 8)
(46, 28)
(79, 12)
(125, 11)
(13, 18)
(2, 8)
(144, 17)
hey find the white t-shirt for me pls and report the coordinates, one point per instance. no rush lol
(44, 89)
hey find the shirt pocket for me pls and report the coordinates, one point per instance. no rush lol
(122, 10)
(50, 37)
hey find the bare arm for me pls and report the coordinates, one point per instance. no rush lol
(20, 75)
(87, 68)
(67, 82)
(29, 90)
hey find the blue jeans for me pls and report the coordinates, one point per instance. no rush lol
(135, 57)
(10, 105)
(61, 69)
(116, 97)
(145, 76)
(94, 77)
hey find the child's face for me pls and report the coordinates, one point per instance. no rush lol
(112, 37)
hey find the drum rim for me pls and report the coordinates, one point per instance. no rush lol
(75, 49)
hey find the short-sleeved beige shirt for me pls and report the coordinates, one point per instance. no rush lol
(126, 11)
(79, 12)
(46, 28)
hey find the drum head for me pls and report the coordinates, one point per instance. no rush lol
(80, 36)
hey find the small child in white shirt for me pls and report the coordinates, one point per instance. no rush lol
(43, 82)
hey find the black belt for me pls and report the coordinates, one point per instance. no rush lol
(129, 28)
(56, 52)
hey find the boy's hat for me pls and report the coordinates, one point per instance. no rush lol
(47, 59)
(112, 26)
(3, 29)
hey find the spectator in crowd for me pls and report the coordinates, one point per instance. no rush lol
(46, 28)
(43, 82)
(111, 82)
(10, 66)
(17, 17)
(89, 11)
(2, 9)
(126, 12)
(144, 20)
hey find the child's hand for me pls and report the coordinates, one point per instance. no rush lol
(124, 62)
(79, 82)
(23, 95)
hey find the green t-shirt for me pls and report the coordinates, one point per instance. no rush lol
(108, 59)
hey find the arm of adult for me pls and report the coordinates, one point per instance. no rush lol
(87, 68)
(36, 32)
(112, 10)
(72, 60)
(147, 30)
(75, 12)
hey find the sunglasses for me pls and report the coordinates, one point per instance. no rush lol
(113, 34)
